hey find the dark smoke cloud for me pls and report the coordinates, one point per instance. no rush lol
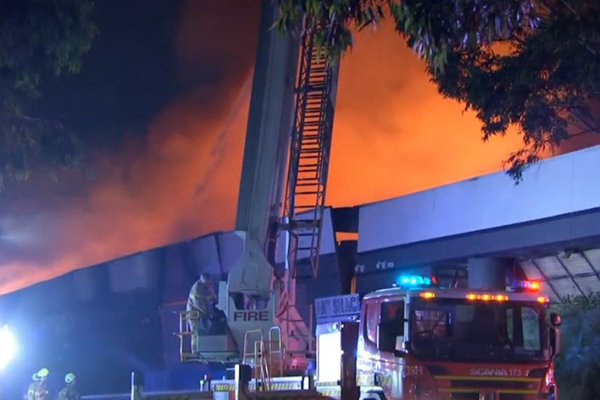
(167, 183)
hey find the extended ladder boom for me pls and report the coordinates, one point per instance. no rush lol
(310, 148)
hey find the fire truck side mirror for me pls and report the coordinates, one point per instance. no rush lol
(555, 341)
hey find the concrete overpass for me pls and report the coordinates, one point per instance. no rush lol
(549, 225)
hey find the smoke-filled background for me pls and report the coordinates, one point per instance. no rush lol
(161, 105)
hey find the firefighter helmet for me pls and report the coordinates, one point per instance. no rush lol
(70, 378)
(43, 373)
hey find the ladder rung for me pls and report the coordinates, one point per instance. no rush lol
(307, 168)
(311, 148)
(311, 134)
(310, 151)
(304, 220)
(307, 165)
(311, 142)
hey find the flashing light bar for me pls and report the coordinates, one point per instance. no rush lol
(427, 295)
(531, 285)
(542, 300)
(527, 286)
(487, 297)
(414, 280)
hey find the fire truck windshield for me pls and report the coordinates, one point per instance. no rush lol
(461, 330)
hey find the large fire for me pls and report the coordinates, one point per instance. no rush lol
(393, 135)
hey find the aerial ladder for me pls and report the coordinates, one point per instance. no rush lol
(310, 147)
(281, 203)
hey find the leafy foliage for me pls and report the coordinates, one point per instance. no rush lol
(38, 38)
(578, 365)
(530, 64)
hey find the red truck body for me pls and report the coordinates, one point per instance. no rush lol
(438, 344)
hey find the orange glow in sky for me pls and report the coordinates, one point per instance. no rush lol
(394, 134)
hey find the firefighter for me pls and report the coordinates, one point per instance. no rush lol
(69, 392)
(38, 390)
(200, 305)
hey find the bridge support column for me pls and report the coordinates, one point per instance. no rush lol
(488, 273)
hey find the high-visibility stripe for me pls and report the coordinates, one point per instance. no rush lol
(485, 378)
(478, 390)
(223, 388)
(220, 387)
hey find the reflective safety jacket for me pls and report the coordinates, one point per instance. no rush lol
(68, 393)
(37, 391)
(201, 298)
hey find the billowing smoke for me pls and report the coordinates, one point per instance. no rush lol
(176, 181)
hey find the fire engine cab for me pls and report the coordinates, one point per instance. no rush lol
(417, 341)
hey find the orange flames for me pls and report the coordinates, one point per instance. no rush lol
(393, 135)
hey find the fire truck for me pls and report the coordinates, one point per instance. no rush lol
(422, 342)
(417, 341)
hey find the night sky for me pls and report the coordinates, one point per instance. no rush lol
(161, 106)
(156, 93)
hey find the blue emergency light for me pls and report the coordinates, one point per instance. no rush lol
(414, 280)
(526, 286)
